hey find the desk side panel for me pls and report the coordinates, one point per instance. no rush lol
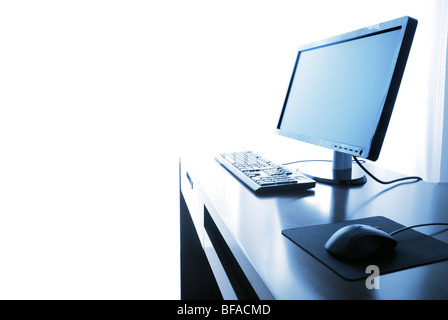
(196, 277)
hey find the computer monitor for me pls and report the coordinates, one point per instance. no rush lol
(342, 93)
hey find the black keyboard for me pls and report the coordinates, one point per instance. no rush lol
(262, 175)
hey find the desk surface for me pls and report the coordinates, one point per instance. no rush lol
(277, 268)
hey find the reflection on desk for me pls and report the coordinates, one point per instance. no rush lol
(252, 259)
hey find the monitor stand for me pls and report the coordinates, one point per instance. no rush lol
(339, 171)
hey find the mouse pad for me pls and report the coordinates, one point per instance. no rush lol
(413, 248)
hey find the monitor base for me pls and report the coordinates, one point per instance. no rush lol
(336, 172)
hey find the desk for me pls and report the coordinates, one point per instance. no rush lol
(232, 246)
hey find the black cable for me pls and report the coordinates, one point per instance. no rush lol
(384, 182)
(364, 169)
(300, 161)
(418, 225)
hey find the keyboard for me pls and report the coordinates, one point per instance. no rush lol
(262, 175)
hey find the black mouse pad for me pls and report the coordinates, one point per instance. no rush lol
(413, 248)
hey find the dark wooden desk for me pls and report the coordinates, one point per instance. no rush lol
(232, 245)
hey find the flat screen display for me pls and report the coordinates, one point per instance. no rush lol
(338, 90)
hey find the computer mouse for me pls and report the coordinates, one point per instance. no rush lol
(360, 242)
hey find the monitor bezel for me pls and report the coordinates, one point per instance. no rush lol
(407, 27)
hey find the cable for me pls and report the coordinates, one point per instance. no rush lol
(300, 161)
(364, 169)
(418, 225)
(384, 182)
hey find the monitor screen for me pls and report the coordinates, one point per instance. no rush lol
(343, 89)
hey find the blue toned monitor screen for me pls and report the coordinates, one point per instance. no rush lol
(338, 91)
